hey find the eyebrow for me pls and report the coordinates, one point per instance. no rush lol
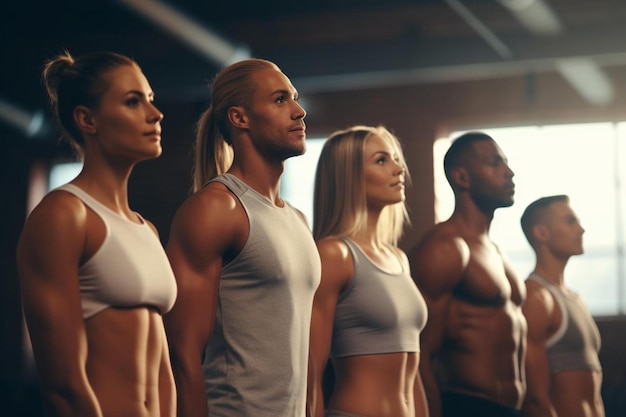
(285, 92)
(384, 153)
(140, 93)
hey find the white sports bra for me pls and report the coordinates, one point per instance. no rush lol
(130, 269)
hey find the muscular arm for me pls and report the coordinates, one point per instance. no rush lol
(337, 268)
(538, 309)
(437, 266)
(48, 256)
(206, 227)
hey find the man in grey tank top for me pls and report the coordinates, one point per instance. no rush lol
(562, 365)
(245, 260)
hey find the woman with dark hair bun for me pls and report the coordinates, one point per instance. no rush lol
(95, 279)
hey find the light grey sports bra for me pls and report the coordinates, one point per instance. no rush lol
(129, 269)
(378, 312)
(576, 343)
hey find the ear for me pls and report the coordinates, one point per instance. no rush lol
(540, 233)
(237, 117)
(461, 177)
(84, 120)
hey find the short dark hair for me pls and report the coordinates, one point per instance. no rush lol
(535, 210)
(458, 150)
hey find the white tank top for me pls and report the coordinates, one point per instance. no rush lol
(130, 269)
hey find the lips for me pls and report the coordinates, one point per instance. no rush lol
(298, 128)
(153, 133)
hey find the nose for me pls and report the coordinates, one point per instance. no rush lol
(400, 169)
(509, 172)
(299, 113)
(155, 114)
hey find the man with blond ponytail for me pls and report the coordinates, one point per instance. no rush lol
(244, 259)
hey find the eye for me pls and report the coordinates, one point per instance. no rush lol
(381, 160)
(132, 102)
(280, 99)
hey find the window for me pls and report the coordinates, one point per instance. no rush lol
(582, 161)
(299, 178)
(62, 173)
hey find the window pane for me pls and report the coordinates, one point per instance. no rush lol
(299, 178)
(63, 173)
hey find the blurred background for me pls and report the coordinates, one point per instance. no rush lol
(546, 78)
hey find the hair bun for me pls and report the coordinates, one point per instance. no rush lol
(54, 70)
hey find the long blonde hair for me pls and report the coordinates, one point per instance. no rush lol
(339, 202)
(232, 86)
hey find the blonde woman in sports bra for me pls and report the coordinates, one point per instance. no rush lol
(367, 311)
(95, 279)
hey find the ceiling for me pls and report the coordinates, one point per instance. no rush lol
(322, 45)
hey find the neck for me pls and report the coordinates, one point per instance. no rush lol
(110, 187)
(472, 217)
(551, 268)
(369, 236)
(264, 179)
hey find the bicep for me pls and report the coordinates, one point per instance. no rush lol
(538, 310)
(190, 322)
(195, 250)
(48, 257)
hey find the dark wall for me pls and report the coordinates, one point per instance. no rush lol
(417, 114)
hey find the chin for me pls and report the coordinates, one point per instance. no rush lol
(294, 152)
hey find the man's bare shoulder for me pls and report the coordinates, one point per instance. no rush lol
(441, 258)
(444, 236)
(540, 310)
(211, 211)
(212, 200)
(538, 298)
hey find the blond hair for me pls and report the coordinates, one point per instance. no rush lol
(232, 86)
(339, 203)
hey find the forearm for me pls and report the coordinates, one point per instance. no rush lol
(318, 410)
(315, 396)
(191, 399)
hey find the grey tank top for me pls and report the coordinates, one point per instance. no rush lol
(378, 312)
(576, 343)
(256, 362)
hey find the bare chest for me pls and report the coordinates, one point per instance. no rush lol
(488, 280)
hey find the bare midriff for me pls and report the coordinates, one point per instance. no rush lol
(124, 358)
(378, 385)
